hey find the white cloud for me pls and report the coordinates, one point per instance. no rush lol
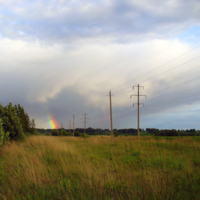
(72, 21)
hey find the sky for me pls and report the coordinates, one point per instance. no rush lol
(61, 58)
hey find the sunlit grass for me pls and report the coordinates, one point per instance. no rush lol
(44, 167)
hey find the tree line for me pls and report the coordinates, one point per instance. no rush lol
(127, 131)
(173, 132)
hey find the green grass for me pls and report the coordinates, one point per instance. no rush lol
(94, 168)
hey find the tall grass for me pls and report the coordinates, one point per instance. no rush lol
(44, 167)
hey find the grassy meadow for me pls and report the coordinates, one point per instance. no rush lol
(46, 167)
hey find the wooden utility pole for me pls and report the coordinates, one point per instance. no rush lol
(61, 129)
(111, 122)
(73, 123)
(138, 104)
(70, 126)
(85, 121)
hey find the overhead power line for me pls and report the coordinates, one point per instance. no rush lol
(179, 76)
(178, 99)
(159, 66)
(164, 72)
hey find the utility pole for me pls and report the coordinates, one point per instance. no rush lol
(61, 129)
(111, 122)
(73, 123)
(70, 126)
(138, 104)
(85, 121)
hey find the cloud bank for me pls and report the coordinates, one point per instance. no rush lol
(67, 55)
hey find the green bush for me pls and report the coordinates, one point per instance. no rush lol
(116, 133)
(65, 133)
(84, 135)
(47, 133)
(55, 132)
(77, 134)
(108, 133)
(36, 132)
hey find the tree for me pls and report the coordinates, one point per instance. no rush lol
(33, 123)
(27, 125)
(11, 122)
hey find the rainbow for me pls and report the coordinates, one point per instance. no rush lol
(52, 122)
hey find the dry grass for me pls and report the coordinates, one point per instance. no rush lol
(44, 167)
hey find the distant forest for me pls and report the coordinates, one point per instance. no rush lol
(129, 131)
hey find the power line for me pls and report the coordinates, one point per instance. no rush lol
(159, 66)
(165, 71)
(179, 99)
(174, 68)
(185, 73)
(178, 84)
(175, 92)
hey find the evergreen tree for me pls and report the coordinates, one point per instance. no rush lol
(33, 123)
(27, 125)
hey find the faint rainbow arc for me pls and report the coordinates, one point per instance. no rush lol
(52, 122)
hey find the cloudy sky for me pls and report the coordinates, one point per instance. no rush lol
(61, 58)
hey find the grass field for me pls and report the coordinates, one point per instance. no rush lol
(46, 167)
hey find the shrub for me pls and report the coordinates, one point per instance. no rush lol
(116, 133)
(84, 135)
(108, 133)
(77, 133)
(65, 133)
(47, 133)
(55, 132)
(36, 132)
